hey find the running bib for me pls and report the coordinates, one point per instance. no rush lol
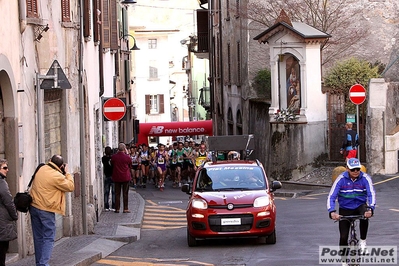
(161, 160)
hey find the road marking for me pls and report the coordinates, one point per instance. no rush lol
(280, 198)
(170, 202)
(395, 210)
(129, 261)
(161, 217)
(386, 180)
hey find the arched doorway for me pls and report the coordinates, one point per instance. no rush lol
(9, 137)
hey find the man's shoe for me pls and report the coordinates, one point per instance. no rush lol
(107, 210)
(363, 246)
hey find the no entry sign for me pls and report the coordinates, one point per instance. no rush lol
(357, 94)
(114, 109)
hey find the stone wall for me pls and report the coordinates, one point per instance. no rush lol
(382, 128)
(287, 151)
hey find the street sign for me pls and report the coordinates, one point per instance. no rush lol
(350, 118)
(62, 80)
(114, 109)
(357, 94)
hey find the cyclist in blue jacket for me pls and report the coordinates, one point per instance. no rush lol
(356, 196)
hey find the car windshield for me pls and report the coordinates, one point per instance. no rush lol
(231, 178)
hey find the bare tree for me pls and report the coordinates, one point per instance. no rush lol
(339, 18)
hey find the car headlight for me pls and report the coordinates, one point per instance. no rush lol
(199, 204)
(262, 201)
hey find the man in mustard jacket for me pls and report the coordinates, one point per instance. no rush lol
(48, 194)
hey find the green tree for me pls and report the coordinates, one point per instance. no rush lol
(346, 73)
(263, 84)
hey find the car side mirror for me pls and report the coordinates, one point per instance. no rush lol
(186, 188)
(275, 185)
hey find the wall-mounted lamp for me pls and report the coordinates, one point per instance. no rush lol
(134, 48)
(128, 2)
(39, 30)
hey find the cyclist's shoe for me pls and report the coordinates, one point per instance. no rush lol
(363, 246)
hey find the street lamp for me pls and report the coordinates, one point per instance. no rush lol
(134, 48)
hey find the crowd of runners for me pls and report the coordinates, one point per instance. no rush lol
(176, 163)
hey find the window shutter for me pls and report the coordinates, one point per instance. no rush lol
(66, 10)
(113, 13)
(86, 18)
(161, 104)
(31, 9)
(96, 20)
(202, 30)
(106, 27)
(147, 104)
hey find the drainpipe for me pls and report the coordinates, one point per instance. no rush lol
(82, 123)
(22, 15)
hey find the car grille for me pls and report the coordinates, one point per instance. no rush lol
(215, 223)
(225, 206)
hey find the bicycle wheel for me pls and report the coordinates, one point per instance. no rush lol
(353, 256)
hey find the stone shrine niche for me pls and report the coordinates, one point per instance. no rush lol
(295, 66)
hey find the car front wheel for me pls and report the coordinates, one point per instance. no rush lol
(191, 241)
(271, 239)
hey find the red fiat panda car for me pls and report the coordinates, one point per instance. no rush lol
(231, 199)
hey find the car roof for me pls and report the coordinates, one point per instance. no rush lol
(231, 163)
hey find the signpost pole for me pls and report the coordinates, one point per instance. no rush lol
(357, 95)
(358, 130)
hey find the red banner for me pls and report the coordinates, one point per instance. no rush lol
(189, 128)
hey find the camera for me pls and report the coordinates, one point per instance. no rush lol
(63, 168)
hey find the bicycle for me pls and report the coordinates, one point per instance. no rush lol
(353, 241)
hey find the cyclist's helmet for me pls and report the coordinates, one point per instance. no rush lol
(353, 163)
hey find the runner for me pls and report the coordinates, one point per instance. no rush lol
(134, 155)
(145, 162)
(173, 164)
(201, 156)
(180, 160)
(161, 158)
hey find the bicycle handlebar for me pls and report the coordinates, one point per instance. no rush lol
(352, 217)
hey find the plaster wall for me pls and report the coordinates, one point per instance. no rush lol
(314, 100)
(144, 84)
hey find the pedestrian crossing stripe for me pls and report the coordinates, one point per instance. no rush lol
(125, 261)
(161, 217)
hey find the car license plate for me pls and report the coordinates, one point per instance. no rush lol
(231, 221)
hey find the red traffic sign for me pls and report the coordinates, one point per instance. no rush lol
(357, 94)
(114, 109)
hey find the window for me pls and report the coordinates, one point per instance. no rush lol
(86, 16)
(227, 9)
(152, 44)
(106, 28)
(66, 10)
(239, 123)
(230, 122)
(153, 70)
(31, 9)
(237, 9)
(229, 63)
(238, 64)
(154, 104)
(96, 20)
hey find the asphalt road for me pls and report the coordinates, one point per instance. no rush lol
(302, 226)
